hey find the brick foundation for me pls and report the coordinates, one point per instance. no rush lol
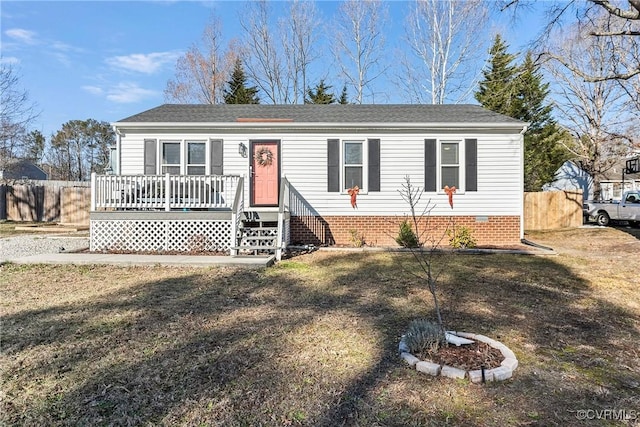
(382, 230)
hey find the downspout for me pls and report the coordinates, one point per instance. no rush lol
(522, 132)
(118, 149)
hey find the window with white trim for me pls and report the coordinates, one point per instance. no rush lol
(450, 164)
(171, 157)
(353, 164)
(190, 157)
(196, 157)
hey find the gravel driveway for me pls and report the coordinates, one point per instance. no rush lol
(29, 244)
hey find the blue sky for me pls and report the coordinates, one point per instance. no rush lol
(107, 60)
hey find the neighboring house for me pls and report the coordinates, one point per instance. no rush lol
(571, 177)
(612, 187)
(232, 177)
(22, 169)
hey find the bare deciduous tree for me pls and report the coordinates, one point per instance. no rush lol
(299, 34)
(16, 113)
(623, 22)
(263, 61)
(595, 113)
(360, 44)
(443, 67)
(201, 72)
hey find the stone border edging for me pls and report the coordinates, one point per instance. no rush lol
(501, 373)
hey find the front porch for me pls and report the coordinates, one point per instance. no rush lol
(183, 214)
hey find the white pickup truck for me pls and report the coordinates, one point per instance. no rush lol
(627, 209)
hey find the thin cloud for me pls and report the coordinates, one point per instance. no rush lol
(64, 47)
(22, 35)
(62, 58)
(9, 60)
(64, 53)
(94, 90)
(127, 93)
(59, 50)
(143, 63)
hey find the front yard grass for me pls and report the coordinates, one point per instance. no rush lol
(313, 340)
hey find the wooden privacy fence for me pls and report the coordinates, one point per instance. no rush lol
(552, 210)
(65, 202)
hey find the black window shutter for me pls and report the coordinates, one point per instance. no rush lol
(150, 147)
(333, 165)
(471, 164)
(374, 165)
(216, 157)
(430, 165)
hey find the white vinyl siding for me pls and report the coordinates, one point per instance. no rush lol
(304, 164)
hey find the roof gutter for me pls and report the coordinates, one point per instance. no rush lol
(315, 125)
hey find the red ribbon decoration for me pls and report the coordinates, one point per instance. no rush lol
(353, 192)
(450, 192)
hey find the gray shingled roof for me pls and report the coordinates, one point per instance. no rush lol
(314, 113)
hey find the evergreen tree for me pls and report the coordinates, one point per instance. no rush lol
(497, 91)
(237, 91)
(80, 148)
(320, 95)
(519, 92)
(544, 152)
(34, 143)
(343, 96)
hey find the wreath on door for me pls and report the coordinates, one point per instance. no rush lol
(264, 157)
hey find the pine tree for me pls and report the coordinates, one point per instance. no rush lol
(519, 92)
(544, 152)
(497, 91)
(237, 91)
(343, 96)
(320, 95)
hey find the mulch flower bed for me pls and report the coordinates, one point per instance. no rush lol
(468, 356)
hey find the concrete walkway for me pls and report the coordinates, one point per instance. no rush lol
(160, 260)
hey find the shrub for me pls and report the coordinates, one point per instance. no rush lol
(407, 238)
(461, 238)
(424, 336)
(357, 239)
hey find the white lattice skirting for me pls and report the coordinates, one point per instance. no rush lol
(144, 235)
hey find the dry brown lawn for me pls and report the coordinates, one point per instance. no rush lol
(313, 340)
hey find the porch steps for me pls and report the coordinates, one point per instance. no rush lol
(258, 234)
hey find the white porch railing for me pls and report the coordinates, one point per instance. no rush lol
(284, 201)
(237, 210)
(163, 192)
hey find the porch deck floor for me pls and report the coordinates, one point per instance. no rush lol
(159, 260)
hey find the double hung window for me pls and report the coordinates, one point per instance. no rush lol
(449, 164)
(171, 158)
(183, 157)
(196, 157)
(353, 164)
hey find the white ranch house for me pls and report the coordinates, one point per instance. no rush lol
(256, 178)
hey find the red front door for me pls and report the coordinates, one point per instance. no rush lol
(265, 173)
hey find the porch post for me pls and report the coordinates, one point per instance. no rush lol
(93, 192)
(167, 192)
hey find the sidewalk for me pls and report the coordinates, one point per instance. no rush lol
(159, 260)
